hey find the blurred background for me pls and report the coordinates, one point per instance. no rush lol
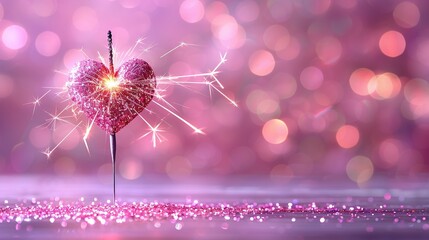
(327, 89)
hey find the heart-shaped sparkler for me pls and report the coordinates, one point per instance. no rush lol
(111, 99)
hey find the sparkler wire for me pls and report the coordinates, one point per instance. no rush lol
(112, 135)
(113, 154)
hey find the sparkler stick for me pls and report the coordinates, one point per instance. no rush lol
(112, 135)
(113, 154)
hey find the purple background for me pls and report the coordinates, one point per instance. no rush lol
(291, 61)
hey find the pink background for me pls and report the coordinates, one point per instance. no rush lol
(326, 89)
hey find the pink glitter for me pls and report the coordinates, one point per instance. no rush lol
(64, 213)
(112, 99)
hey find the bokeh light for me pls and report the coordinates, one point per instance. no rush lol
(247, 11)
(275, 131)
(329, 50)
(72, 56)
(40, 137)
(64, 166)
(131, 168)
(226, 29)
(191, 11)
(416, 93)
(48, 43)
(44, 8)
(311, 78)
(14, 37)
(276, 37)
(264, 104)
(392, 43)
(360, 169)
(406, 14)
(7, 86)
(261, 63)
(281, 172)
(390, 151)
(85, 19)
(284, 85)
(178, 168)
(360, 79)
(347, 136)
(384, 86)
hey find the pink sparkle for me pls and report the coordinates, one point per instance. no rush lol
(65, 213)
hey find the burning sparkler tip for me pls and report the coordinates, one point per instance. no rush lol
(47, 153)
(199, 131)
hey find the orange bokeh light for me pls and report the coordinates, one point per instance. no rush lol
(359, 81)
(384, 86)
(261, 63)
(347, 136)
(275, 131)
(360, 169)
(392, 44)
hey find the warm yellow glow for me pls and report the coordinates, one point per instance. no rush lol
(111, 83)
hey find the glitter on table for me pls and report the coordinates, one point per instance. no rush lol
(194, 210)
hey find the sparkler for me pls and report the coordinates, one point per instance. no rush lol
(113, 98)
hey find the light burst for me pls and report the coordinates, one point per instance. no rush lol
(155, 130)
(37, 101)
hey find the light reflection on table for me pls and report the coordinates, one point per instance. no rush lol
(303, 209)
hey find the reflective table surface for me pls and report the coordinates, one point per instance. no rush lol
(44, 207)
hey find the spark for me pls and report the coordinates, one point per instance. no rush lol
(48, 151)
(211, 86)
(130, 51)
(154, 130)
(172, 78)
(221, 62)
(182, 44)
(323, 112)
(37, 101)
(162, 98)
(196, 130)
(84, 53)
(61, 72)
(87, 131)
(56, 117)
(212, 74)
(208, 83)
(101, 58)
(165, 80)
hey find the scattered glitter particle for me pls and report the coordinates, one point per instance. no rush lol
(84, 213)
(178, 226)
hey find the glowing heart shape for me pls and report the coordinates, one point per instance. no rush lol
(111, 100)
